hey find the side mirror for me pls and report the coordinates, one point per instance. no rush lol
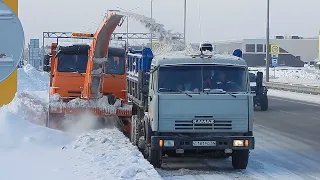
(259, 79)
(46, 68)
(145, 90)
(46, 60)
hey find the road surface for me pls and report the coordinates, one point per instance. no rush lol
(287, 147)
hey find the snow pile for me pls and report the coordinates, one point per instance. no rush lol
(30, 79)
(101, 103)
(30, 107)
(16, 131)
(112, 156)
(304, 75)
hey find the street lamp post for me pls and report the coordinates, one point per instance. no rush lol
(151, 15)
(185, 20)
(268, 41)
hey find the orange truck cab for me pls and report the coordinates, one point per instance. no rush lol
(67, 66)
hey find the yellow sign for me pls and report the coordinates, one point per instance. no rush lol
(155, 46)
(275, 49)
(8, 87)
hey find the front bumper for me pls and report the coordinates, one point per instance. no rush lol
(186, 143)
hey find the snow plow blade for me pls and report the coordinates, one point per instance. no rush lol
(121, 112)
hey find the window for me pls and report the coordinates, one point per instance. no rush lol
(115, 65)
(260, 48)
(197, 78)
(72, 62)
(250, 48)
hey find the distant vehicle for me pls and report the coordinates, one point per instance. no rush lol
(205, 46)
(261, 92)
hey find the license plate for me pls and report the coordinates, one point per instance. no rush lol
(204, 143)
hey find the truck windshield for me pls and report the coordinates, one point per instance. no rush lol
(72, 62)
(115, 65)
(199, 78)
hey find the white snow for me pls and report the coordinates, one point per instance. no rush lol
(36, 152)
(295, 96)
(304, 75)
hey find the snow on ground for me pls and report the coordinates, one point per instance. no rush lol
(45, 153)
(304, 75)
(294, 96)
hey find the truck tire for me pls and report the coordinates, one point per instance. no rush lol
(240, 159)
(264, 104)
(154, 157)
(134, 134)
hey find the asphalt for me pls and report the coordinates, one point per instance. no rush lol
(294, 119)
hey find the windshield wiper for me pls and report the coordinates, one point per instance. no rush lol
(219, 91)
(184, 93)
(170, 90)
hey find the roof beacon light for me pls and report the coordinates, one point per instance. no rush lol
(237, 53)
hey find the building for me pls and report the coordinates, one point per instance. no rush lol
(294, 50)
(34, 54)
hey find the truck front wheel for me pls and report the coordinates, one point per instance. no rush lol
(240, 159)
(154, 157)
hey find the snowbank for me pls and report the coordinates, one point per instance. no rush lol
(112, 156)
(310, 98)
(96, 154)
(303, 75)
(16, 130)
(30, 79)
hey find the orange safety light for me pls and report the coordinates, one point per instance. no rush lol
(82, 35)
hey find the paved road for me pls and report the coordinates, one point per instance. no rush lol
(294, 119)
(287, 147)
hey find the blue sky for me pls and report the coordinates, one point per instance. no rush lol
(220, 20)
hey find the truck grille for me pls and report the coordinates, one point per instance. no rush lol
(216, 125)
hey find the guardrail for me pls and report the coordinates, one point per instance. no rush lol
(294, 87)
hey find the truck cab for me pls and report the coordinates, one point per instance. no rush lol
(67, 66)
(195, 104)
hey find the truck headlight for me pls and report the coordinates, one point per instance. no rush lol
(168, 143)
(238, 143)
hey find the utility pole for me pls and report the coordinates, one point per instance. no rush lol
(184, 24)
(268, 41)
(151, 15)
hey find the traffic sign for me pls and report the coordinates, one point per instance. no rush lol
(156, 46)
(12, 41)
(8, 87)
(274, 61)
(275, 49)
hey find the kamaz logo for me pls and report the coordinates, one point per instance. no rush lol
(203, 121)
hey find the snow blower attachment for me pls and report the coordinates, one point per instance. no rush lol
(90, 79)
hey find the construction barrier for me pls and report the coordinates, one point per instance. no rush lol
(11, 49)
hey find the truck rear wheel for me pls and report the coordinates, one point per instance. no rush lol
(240, 159)
(264, 104)
(154, 157)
